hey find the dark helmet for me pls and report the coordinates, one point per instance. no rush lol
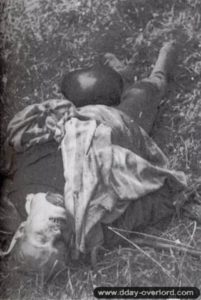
(95, 85)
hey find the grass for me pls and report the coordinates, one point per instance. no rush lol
(40, 40)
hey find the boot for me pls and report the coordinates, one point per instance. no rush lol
(167, 60)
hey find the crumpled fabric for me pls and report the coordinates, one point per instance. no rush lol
(109, 161)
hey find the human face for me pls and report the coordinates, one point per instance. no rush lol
(42, 245)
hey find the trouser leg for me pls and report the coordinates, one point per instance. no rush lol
(141, 100)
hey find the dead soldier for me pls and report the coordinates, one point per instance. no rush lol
(84, 164)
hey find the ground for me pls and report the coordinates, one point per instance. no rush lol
(40, 40)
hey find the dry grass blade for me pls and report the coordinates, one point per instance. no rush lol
(145, 253)
(164, 241)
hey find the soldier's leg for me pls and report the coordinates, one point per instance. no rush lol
(141, 100)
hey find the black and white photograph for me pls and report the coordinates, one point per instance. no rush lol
(100, 149)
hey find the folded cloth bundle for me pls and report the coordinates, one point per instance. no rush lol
(111, 166)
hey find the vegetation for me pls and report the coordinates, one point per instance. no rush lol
(40, 40)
